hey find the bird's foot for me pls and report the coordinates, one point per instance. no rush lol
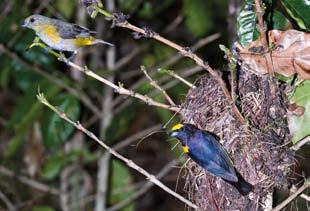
(63, 58)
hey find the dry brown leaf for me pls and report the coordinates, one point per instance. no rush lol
(290, 54)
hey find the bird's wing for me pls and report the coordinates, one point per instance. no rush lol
(71, 31)
(212, 156)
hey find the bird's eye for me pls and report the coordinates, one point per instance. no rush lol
(32, 20)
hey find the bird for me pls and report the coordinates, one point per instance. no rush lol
(204, 148)
(60, 35)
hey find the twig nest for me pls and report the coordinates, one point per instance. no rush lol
(257, 150)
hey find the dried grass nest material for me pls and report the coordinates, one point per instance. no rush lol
(257, 151)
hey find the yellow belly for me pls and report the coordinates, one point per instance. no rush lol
(82, 41)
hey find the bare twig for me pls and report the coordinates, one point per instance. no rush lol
(155, 84)
(9, 205)
(107, 111)
(293, 196)
(28, 181)
(263, 36)
(136, 136)
(128, 162)
(144, 188)
(300, 143)
(122, 22)
(304, 196)
(78, 94)
(184, 73)
(117, 88)
(173, 74)
(166, 64)
(102, 182)
(262, 28)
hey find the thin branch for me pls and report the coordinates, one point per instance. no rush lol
(136, 136)
(155, 84)
(146, 187)
(9, 205)
(121, 21)
(262, 29)
(263, 36)
(185, 73)
(102, 189)
(128, 162)
(300, 143)
(293, 196)
(78, 94)
(173, 74)
(28, 181)
(168, 63)
(117, 88)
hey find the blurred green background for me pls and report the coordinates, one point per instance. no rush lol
(35, 143)
(45, 163)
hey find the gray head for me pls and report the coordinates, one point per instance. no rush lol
(35, 20)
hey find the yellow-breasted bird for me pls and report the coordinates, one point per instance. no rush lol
(60, 35)
(204, 148)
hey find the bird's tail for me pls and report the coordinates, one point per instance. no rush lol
(242, 186)
(103, 42)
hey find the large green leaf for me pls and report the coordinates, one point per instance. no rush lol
(299, 10)
(197, 16)
(246, 24)
(278, 20)
(121, 178)
(300, 125)
(55, 130)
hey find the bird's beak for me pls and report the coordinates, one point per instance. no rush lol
(24, 25)
(173, 133)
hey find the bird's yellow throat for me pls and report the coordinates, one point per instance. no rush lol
(176, 127)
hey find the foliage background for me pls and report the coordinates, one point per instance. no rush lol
(34, 142)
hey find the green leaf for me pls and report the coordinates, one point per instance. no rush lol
(53, 166)
(285, 79)
(56, 163)
(299, 10)
(121, 178)
(300, 125)
(197, 16)
(56, 131)
(246, 24)
(278, 20)
(42, 208)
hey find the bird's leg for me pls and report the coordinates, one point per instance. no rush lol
(63, 58)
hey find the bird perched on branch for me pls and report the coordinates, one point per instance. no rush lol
(204, 148)
(60, 35)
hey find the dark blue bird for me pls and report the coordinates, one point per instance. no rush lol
(204, 148)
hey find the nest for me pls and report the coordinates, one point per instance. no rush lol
(258, 150)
